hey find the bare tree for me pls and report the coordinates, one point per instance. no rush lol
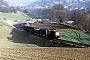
(79, 17)
(87, 23)
(59, 13)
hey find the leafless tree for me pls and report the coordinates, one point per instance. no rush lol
(79, 17)
(59, 13)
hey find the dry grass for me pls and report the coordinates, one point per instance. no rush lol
(12, 16)
(10, 37)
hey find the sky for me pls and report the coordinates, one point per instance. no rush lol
(18, 2)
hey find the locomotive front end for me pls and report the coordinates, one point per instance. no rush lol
(57, 34)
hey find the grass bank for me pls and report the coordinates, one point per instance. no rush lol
(71, 35)
(14, 16)
(11, 37)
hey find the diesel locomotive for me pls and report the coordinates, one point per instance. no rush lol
(45, 32)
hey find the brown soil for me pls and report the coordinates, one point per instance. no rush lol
(54, 26)
(27, 53)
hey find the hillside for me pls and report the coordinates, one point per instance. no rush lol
(69, 4)
(14, 16)
(11, 37)
(2, 2)
(68, 33)
(14, 46)
(5, 8)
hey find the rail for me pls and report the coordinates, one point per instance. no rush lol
(65, 42)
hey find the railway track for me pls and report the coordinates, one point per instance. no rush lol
(74, 44)
(63, 43)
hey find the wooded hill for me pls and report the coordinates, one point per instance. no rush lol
(4, 7)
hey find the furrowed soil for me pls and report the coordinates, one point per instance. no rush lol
(28, 53)
(54, 25)
(14, 46)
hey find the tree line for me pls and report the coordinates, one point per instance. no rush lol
(81, 18)
(59, 13)
(6, 9)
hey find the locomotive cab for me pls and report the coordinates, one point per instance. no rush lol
(31, 29)
(37, 32)
(44, 31)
